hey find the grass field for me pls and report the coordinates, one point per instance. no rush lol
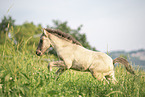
(23, 74)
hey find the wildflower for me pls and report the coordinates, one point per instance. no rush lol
(20, 95)
(80, 95)
(11, 78)
(1, 86)
(111, 89)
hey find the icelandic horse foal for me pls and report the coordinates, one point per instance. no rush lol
(75, 56)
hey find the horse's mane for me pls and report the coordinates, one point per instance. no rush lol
(63, 35)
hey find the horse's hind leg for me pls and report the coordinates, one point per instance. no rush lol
(111, 77)
(99, 76)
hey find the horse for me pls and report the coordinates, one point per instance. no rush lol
(74, 56)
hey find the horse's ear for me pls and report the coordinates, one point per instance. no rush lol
(45, 32)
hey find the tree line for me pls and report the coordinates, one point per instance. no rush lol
(23, 32)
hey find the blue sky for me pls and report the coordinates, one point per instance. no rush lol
(109, 24)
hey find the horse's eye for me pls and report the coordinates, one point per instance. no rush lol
(41, 41)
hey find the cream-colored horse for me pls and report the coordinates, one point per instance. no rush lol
(74, 56)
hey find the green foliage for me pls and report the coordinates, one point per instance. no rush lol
(27, 30)
(5, 26)
(23, 74)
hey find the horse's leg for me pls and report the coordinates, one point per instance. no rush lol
(111, 77)
(66, 65)
(59, 64)
(59, 72)
(100, 77)
(55, 64)
(97, 75)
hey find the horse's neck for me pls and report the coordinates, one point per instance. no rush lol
(58, 42)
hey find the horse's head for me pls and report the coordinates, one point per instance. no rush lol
(44, 43)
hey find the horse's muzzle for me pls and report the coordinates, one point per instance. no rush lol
(38, 52)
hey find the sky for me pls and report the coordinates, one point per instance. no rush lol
(110, 25)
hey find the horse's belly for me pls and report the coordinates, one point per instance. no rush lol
(80, 66)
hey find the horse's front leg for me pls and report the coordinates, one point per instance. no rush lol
(59, 64)
(59, 72)
(64, 66)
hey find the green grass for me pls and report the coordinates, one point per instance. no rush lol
(23, 74)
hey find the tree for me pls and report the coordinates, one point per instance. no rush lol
(5, 26)
(26, 31)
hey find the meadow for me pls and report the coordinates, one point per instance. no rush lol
(24, 74)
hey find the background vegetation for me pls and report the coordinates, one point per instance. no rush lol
(23, 74)
(29, 30)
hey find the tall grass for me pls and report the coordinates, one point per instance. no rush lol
(23, 74)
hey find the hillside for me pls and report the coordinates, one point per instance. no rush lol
(136, 57)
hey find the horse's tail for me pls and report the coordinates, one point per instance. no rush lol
(125, 63)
